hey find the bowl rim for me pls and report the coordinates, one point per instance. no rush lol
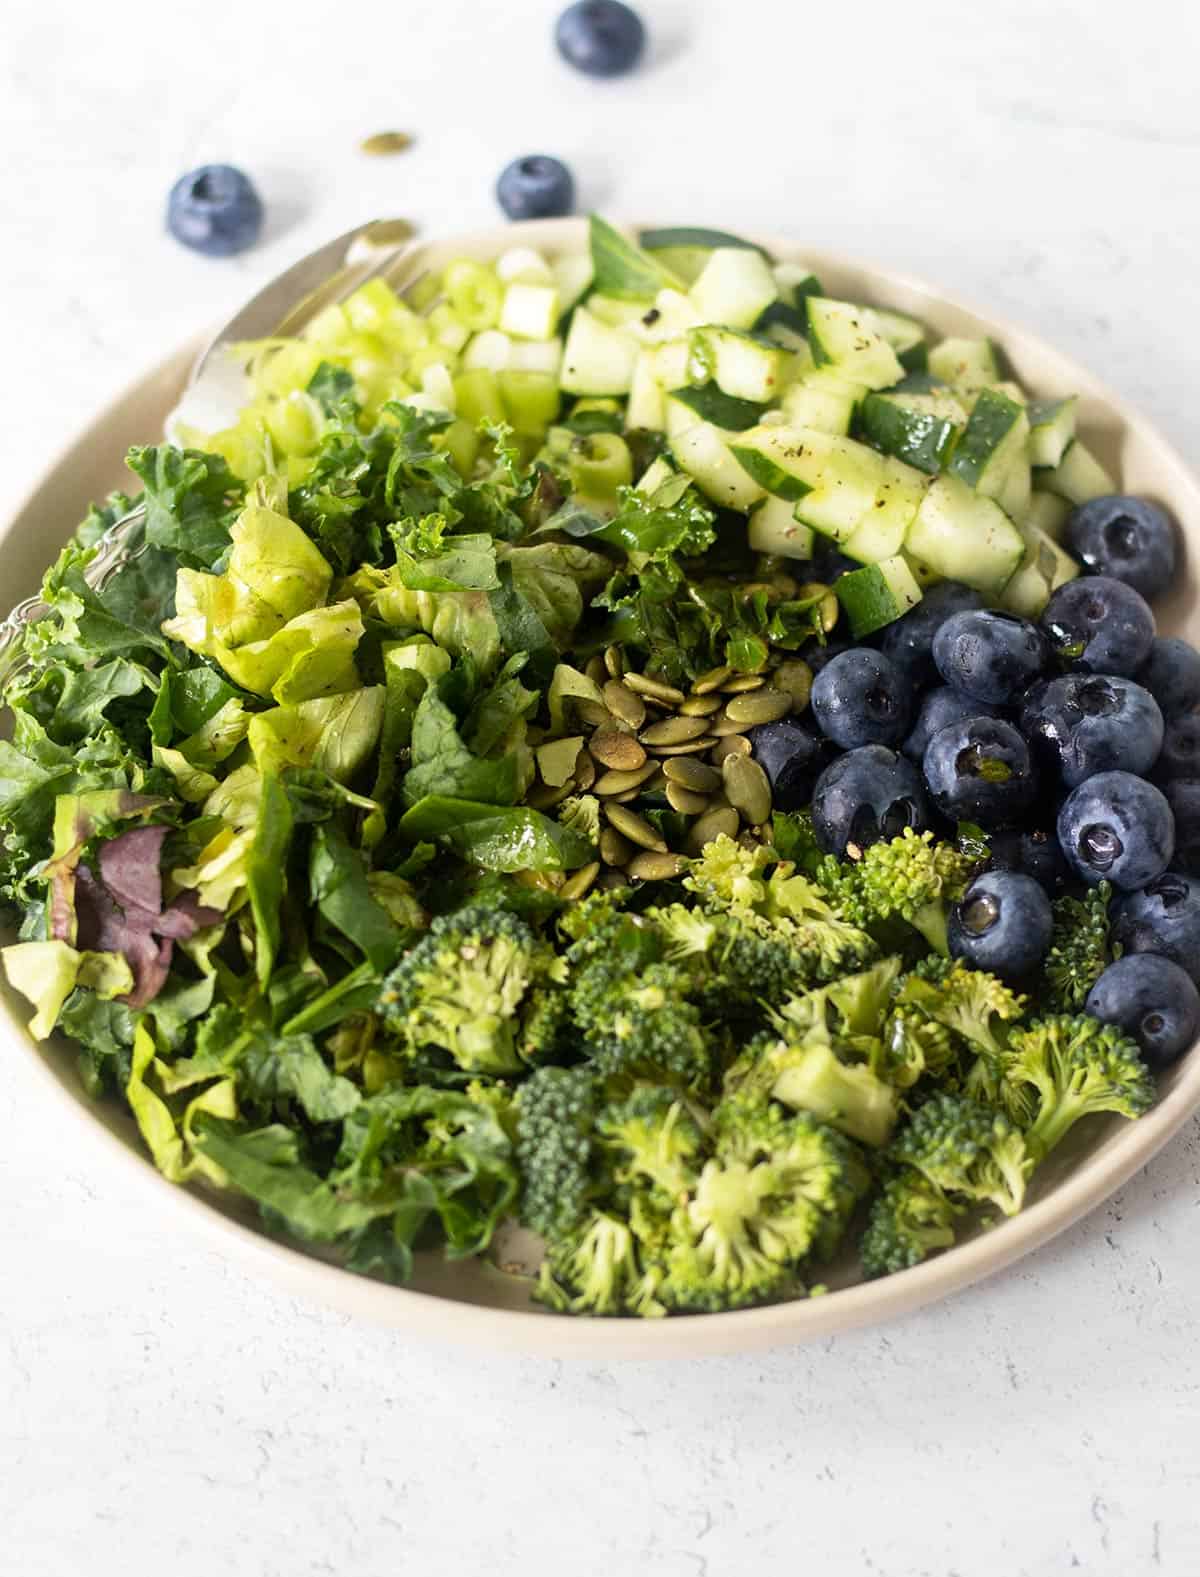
(446, 1319)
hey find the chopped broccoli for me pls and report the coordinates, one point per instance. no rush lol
(556, 1112)
(965, 1000)
(909, 1220)
(581, 813)
(968, 1150)
(654, 1138)
(734, 1241)
(736, 970)
(1065, 1067)
(466, 987)
(731, 876)
(855, 1005)
(912, 876)
(1079, 948)
(596, 1272)
(914, 1046)
(807, 1075)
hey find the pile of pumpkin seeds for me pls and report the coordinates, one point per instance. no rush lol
(643, 746)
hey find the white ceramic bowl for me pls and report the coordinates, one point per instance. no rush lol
(476, 1303)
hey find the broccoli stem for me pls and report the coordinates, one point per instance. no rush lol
(848, 1097)
(930, 920)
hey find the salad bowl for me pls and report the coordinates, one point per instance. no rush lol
(487, 1303)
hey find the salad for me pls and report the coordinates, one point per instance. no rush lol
(624, 743)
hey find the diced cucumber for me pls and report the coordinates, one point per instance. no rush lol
(670, 363)
(823, 399)
(596, 414)
(911, 427)
(734, 287)
(597, 359)
(530, 400)
(477, 396)
(876, 595)
(884, 528)
(1013, 390)
(685, 249)
(619, 312)
(672, 314)
(741, 366)
(1078, 476)
(966, 363)
(965, 536)
(572, 275)
(524, 264)
(841, 333)
(775, 529)
(535, 355)
(993, 447)
(902, 333)
(1048, 512)
(1051, 429)
(677, 416)
(490, 350)
(795, 281)
(645, 408)
(712, 404)
(702, 452)
(598, 465)
(834, 480)
(1044, 568)
(1017, 489)
(656, 473)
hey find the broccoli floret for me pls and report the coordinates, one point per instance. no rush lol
(855, 1005)
(466, 987)
(734, 1241)
(556, 1113)
(965, 1000)
(654, 1138)
(1079, 948)
(912, 876)
(807, 1075)
(581, 814)
(913, 1046)
(910, 1220)
(735, 970)
(968, 1150)
(730, 875)
(1065, 1067)
(596, 1272)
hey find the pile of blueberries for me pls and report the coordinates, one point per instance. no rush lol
(1072, 743)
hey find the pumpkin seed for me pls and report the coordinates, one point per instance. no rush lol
(386, 142)
(541, 881)
(700, 706)
(795, 679)
(613, 782)
(748, 788)
(585, 772)
(674, 731)
(612, 748)
(626, 797)
(613, 661)
(759, 706)
(712, 680)
(827, 608)
(744, 682)
(556, 761)
(721, 821)
(686, 801)
(634, 827)
(575, 886)
(542, 796)
(692, 774)
(595, 670)
(655, 688)
(720, 726)
(693, 747)
(614, 849)
(594, 714)
(730, 745)
(655, 867)
(611, 880)
(623, 703)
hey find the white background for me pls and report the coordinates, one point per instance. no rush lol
(161, 1413)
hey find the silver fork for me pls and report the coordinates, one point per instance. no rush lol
(380, 249)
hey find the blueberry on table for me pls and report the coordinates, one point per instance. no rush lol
(536, 187)
(979, 769)
(908, 641)
(1153, 1001)
(1183, 796)
(1163, 918)
(1180, 753)
(1100, 625)
(1171, 673)
(601, 38)
(1118, 828)
(939, 707)
(1031, 851)
(866, 796)
(215, 210)
(1128, 538)
(791, 757)
(989, 656)
(859, 698)
(1002, 924)
(1082, 724)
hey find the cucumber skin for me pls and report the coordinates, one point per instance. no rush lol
(712, 404)
(869, 599)
(989, 425)
(916, 437)
(767, 474)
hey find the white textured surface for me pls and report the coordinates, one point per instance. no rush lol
(161, 1413)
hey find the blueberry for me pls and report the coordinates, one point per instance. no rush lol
(601, 38)
(791, 757)
(1163, 918)
(860, 699)
(1031, 852)
(1130, 539)
(1183, 796)
(865, 796)
(536, 187)
(939, 707)
(979, 769)
(1180, 754)
(215, 209)
(1153, 1001)
(1082, 724)
(989, 656)
(1099, 624)
(1172, 675)
(908, 641)
(1117, 828)
(829, 564)
(1002, 924)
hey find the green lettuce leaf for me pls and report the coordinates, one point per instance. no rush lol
(444, 764)
(190, 500)
(335, 734)
(341, 889)
(498, 839)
